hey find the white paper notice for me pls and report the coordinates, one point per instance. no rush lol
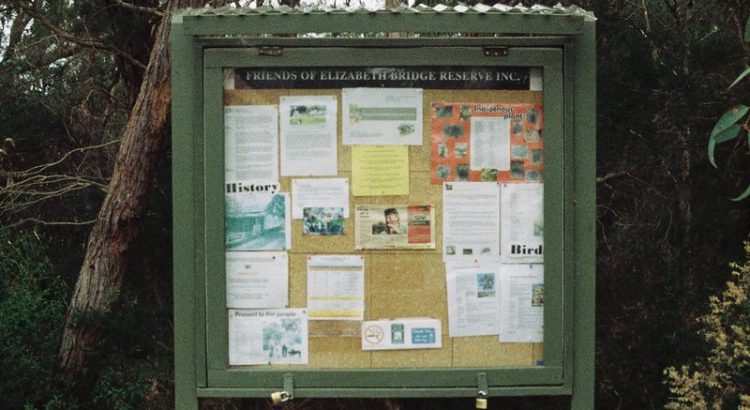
(522, 303)
(522, 222)
(251, 142)
(308, 135)
(471, 219)
(319, 193)
(473, 301)
(407, 333)
(336, 287)
(490, 143)
(257, 279)
(270, 336)
(382, 116)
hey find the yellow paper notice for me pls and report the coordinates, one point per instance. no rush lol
(380, 170)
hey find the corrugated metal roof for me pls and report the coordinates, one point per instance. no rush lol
(498, 8)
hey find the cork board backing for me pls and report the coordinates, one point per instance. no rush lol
(405, 283)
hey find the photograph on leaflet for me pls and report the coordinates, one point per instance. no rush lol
(323, 221)
(256, 219)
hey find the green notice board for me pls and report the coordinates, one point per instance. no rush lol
(383, 215)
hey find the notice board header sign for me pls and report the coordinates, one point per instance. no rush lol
(445, 77)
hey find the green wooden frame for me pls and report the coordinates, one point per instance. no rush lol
(203, 44)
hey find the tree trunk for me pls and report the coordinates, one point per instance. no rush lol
(142, 141)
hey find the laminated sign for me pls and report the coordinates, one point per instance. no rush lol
(420, 333)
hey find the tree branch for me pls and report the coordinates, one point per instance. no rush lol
(40, 168)
(22, 195)
(42, 61)
(611, 175)
(739, 30)
(14, 36)
(81, 41)
(131, 6)
(48, 223)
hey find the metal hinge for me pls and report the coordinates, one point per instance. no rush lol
(496, 51)
(270, 51)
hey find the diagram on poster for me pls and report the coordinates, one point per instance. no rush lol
(486, 142)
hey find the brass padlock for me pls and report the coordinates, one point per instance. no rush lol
(280, 397)
(481, 403)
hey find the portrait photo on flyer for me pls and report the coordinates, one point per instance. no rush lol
(395, 227)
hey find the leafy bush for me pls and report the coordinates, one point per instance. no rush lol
(722, 378)
(133, 361)
(137, 352)
(32, 306)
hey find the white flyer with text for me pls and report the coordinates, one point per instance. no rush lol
(257, 279)
(522, 303)
(251, 142)
(471, 220)
(308, 135)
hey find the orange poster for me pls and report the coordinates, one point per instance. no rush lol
(487, 142)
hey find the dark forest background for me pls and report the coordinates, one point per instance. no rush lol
(70, 74)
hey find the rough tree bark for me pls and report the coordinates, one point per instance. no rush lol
(142, 141)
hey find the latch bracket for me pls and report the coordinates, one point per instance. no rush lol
(496, 51)
(289, 385)
(271, 51)
(483, 389)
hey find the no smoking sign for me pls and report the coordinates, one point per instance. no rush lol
(374, 334)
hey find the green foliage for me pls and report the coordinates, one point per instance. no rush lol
(721, 379)
(740, 77)
(728, 128)
(32, 306)
(138, 372)
(134, 360)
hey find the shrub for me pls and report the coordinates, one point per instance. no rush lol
(32, 307)
(722, 378)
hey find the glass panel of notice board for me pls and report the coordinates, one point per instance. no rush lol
(371, 216)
